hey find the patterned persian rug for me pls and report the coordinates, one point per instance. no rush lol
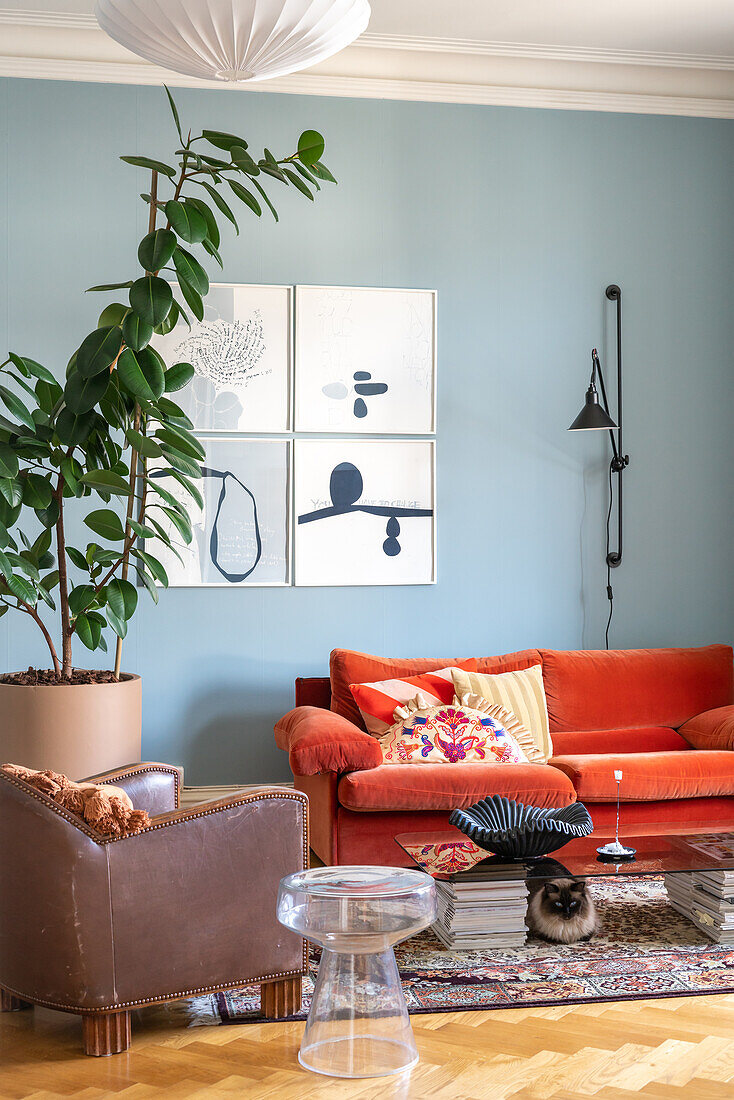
(644, 949)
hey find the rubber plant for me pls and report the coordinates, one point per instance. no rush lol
(91, 439)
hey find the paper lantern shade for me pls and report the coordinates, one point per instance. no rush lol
(233, 40)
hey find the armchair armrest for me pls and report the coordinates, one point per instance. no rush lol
(194, 895)
(713, 729)
(319, 740)
(152, 787)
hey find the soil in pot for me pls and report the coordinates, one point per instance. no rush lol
(46, 677)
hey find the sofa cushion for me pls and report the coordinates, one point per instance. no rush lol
(379, 701)
(599, 690)
(631, 739)
(648, 776)
(452, 786)
(347, 666)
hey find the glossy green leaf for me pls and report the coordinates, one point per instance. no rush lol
(141, 373)
(181, 441)
(140, 529)
(192, 299)
(298, 183)
(122, 597)
(136, 332)
(310, 147)
(80, 598)
(11, 491)
(171, 320)
(74, 427)
(266, 199)
(6, 568)
(8, 461)
(151, 299)
(151, 165)
(145, 446)
(245, 196)
(174, 112)
(22, 589)
(98, 351)
(220, 203)
(322, 172)
(190, 271)
(186, 221)
(178, 376)
(156, 249)
(32, 367)
(106, 523)
(147, 581)
(89, 630)
(156, 567)
(112, 315)
(209, 247)
(309, 176)
(82, 394)
(77, 557)
(109, 286)
(223, 141)
(118, 625)
(37, 491)
(15, 406)
(106, 480)
(212, 229)
(181, 524)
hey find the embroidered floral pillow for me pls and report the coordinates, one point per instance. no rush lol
(455, 733)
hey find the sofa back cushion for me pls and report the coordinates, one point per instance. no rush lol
(600, 690)
(347, 666)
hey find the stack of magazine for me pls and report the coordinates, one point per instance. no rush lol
(476, 913)
(707, 899)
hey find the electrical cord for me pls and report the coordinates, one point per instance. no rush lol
(610, 591)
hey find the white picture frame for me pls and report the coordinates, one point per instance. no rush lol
(253, 547)
(242, 354)
(365, 512)
(365, 360)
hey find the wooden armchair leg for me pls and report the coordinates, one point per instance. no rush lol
(105, 1033)
(10, 1003)
(282, 998)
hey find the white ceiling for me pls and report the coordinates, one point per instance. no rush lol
(666, 56)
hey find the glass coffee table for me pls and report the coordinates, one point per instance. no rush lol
(482, 900)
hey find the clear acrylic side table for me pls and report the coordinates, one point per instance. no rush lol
(358, 1025)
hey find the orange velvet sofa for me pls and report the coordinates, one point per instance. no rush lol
(664, 716)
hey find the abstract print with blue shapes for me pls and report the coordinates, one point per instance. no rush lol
(450, 734)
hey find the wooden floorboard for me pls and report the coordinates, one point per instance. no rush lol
(677, 1049)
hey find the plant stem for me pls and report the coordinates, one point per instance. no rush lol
(63, 584)
(128, 544)
(39, 622)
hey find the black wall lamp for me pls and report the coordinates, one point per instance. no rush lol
(595, 416)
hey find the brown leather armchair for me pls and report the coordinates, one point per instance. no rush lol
(99, 926)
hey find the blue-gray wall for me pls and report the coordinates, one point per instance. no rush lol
(519, 218)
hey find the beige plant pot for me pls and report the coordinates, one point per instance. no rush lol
(77, 729)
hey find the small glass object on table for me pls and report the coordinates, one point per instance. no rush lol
(358, 1024)
(614, 850)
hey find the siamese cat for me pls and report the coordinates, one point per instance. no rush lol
(561, 911)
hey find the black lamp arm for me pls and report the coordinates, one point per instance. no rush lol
(596, 372)
(619, 460)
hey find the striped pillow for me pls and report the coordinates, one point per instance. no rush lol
(522, 693)
(377, 701)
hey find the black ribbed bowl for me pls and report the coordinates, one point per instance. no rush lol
(515, 832)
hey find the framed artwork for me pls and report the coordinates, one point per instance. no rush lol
(366, 360)
(241, 353)
(365, 512)
(242, 534)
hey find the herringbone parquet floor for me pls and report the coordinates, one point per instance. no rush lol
(650, 1050)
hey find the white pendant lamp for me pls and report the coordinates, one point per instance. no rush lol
(233, 39)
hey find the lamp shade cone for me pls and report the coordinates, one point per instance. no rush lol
(233, 40)
(593, 416)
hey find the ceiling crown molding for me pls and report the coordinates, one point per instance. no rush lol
(64, 46)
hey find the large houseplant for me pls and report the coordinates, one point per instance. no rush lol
(87, 443)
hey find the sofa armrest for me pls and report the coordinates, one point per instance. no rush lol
(713, 729)
(318, 740)
(152, 787)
